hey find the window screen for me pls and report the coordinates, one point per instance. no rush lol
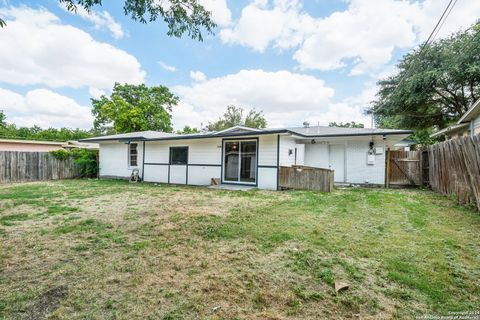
(179, 155)
(132, 154)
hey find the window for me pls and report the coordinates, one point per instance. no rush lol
(240, 161)
(132, 154)
(178, 155)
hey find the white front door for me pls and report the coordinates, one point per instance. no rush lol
(337, 161)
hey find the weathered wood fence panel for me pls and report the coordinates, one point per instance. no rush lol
(404, 168)
(34, 166)
(306, 178)
(454, 169)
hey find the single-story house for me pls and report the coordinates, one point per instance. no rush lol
(247, 156)
(468, 125)
(41, 146)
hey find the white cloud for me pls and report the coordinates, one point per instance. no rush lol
(96, 93)
(167, 67)
(221, 14)
(42, 50)
(286, 98)
(363, 37)
(260, 25)
(198, 76)
(44, 108)
(100, 20)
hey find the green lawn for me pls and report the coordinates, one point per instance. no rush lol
(83, 249)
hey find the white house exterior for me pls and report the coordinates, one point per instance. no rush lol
(468, 125)
(247, 156)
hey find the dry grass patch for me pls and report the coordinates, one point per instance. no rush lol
(112, 250)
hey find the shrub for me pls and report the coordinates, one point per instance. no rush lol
(85, 160)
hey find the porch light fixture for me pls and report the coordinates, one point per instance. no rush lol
(313, 141)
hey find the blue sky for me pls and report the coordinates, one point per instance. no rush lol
(315, 60)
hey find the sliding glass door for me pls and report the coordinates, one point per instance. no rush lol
(240, 161)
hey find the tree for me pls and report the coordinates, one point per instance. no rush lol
(10, 130)
(181, 16)
(188, 130)
(3, 123)
(134, 108)
(351, 124)
(434, 86)
(234, 117)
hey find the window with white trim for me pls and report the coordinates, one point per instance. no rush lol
(132, 155)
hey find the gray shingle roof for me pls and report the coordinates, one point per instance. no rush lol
(323, 131)
(314, 131)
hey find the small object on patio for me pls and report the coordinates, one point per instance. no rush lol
(216, 308)
(341, 286)
(215, 181)
(135, 176)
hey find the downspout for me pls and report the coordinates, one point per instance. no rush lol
(143, 161)
(278, 162)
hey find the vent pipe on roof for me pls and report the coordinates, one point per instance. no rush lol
(306, 124)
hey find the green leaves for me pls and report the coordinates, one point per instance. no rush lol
(134, 108)
(433, 88)
(234, 117)
(181, 16)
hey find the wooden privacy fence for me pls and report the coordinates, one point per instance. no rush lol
(306, 178)
(454, 169)
(404, 168)
(34, 166)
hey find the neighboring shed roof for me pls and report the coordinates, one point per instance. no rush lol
(471, 113)
(451, 129)
(310, 132)
(20, 141)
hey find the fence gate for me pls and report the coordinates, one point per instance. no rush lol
(404, 168)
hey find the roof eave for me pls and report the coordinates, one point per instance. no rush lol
(362, 134)
(468, 116)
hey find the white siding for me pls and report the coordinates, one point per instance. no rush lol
(113, 157)
(357, 170)
(178, 174)
(202, 175)
(200, 151)
(317, 155)
(287, 144)
(156, 173)
(267, 150)
(476, 126)
(202, 154)
(267, 178)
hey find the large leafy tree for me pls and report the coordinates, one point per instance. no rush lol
(181, 16)
(134, 108)
(234, 117)
(434, 86)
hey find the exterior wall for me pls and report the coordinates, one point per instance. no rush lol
(317, 155)
(28, 147)
(205, 161)
(356, 169)
(113, 158)
(267, 162)
(476, 126)
(287, 144)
